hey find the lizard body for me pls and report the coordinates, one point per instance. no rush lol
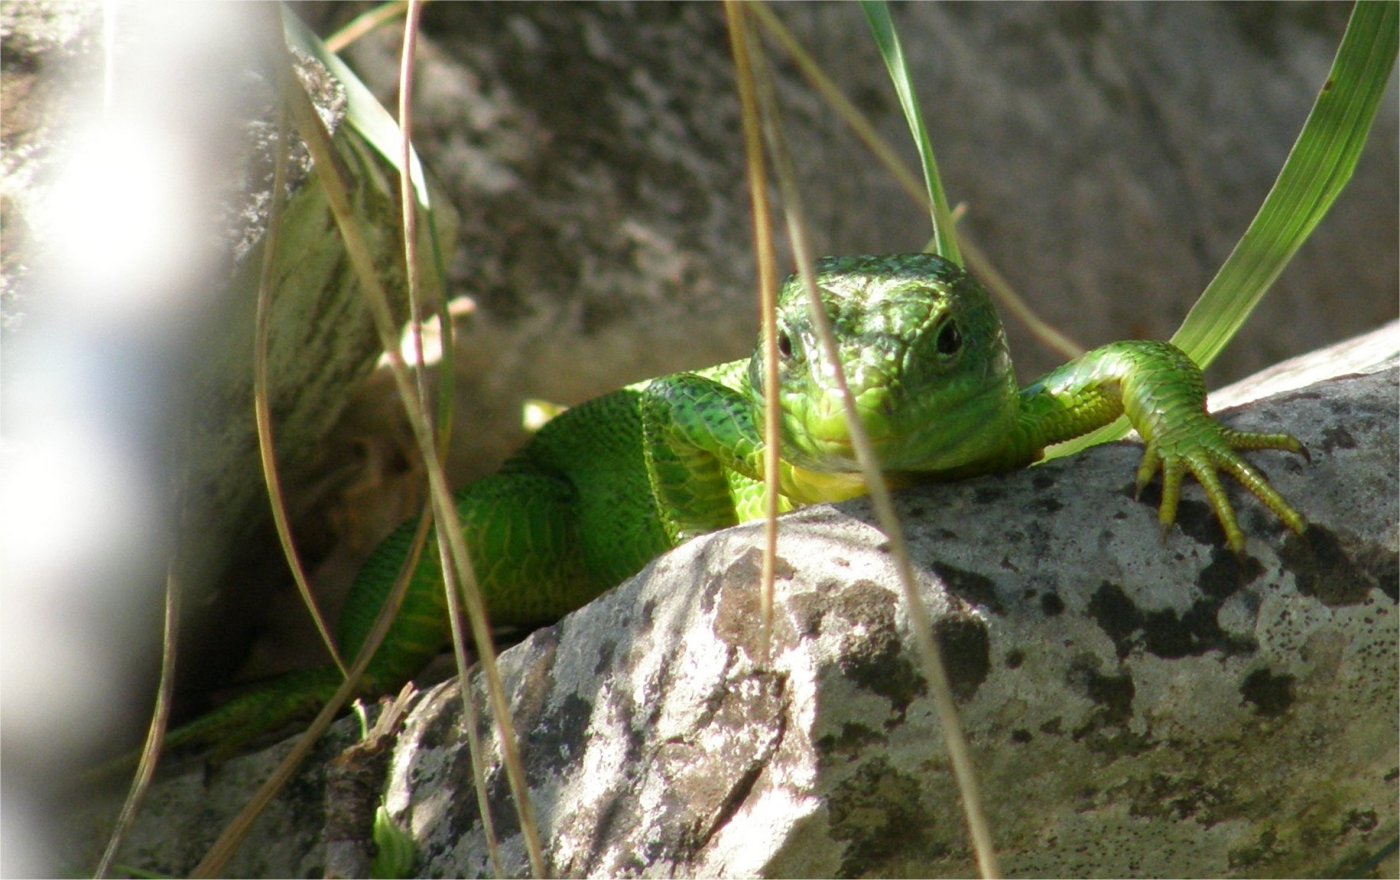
(610, 484)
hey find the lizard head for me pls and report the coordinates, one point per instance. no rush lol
(924, 357)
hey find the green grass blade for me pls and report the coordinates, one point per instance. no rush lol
(877, 13)
(363, 110)
(1317, 170)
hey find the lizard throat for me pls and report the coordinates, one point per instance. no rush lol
(814, 487)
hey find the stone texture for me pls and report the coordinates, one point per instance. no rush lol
(1134, 709)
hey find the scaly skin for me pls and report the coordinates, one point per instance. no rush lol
(609, 485)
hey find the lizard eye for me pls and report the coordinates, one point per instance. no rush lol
(949, 341)
(784, 345)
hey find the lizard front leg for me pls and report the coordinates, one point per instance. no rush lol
(1162, 392)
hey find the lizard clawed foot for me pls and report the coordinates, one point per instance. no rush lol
(1203, 446)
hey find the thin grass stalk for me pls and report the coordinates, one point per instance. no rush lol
(262, 413)
(363, 24)
(216, 858)
(449, 525)
(877, 14)
(475, 748)
(959, 753)
(334, 178)
(996, 284)
(160, 717)
(1015, 305)
(739, 34)
(1317, 169)
(408, 204)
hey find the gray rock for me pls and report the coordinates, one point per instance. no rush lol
(1134, 708)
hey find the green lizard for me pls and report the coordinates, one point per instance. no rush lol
(610, 484)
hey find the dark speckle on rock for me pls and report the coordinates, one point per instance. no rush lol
(850, 741)
(1177, 798)
(1170, 635)
(988, 494)
(975, 588)
(1163, 633)
(1270, 694)
(807, 613)
(556, 734)
(1113, 698)
(1113, 692)
(875, 659)
(1227, 573)
(879, 814)
(1151, 494)
(1336, 437)
(1106, 729)
(1194, 516)
(1337, 569)
(1360, 820)
(1197, 521)
(966, 651)
(1116, 615)
(605, 656)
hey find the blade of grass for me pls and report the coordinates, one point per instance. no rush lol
(449, 583)
(363, 110)
(444, 510)
(216, 858)
(262, 410)
(1013, 303)
(364, 23)
(160, 717)
(959, 754)
(336, 184)
(739, 42)
(945, 245)
(877, 14)
(1317, 170)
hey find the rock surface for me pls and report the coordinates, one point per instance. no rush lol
(1134, 708)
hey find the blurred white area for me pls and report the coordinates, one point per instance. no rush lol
(120, 220)
(120, 201)
(457, 309)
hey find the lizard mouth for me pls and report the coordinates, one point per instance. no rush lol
(825, 436)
